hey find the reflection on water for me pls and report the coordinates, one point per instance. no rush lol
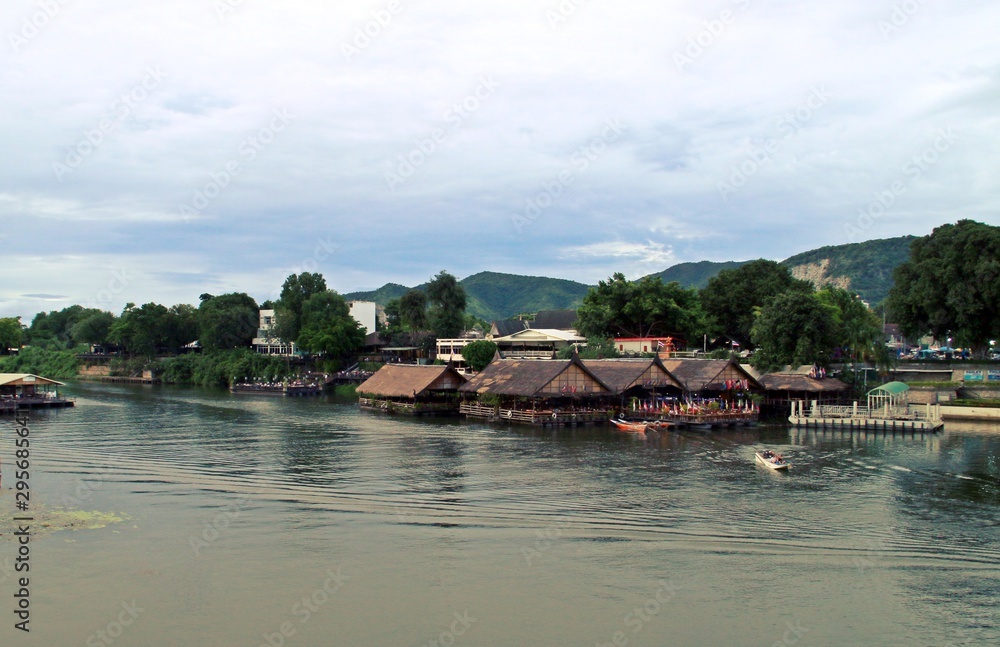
(482, 535)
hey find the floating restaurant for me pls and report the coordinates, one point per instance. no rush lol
(412, 389)
(537, 392)
(27, 391)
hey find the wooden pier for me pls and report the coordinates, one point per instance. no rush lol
(537, 418)
(917, 418)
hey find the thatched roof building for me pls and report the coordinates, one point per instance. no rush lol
(800, 383)
(623, 375)
(536, 379)
(412, 389)
(700, 375)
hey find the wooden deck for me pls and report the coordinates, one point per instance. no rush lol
(926, 418)
(12, 405)
(409, 408)
(538, 418)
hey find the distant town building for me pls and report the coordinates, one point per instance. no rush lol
(365, 313)
(638, 345)
(265, 342)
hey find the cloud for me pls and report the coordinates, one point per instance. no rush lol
(164, 116)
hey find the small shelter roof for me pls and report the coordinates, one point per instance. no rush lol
(708, 374)
(410, 380)
(26, 379)
(541, 335)
(507, 327)
(532, 377)
(799, 382)
(622, 374)
(890, 388)
(555, 319)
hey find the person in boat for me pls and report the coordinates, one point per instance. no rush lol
(767, 453)
(778, 460)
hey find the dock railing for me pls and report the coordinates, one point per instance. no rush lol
(930, 413)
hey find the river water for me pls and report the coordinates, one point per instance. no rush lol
(254, 520)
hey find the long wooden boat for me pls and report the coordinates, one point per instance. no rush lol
(771, 460)
(641, 427)
(632, 427)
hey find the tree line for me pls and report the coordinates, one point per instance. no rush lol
(949, 287)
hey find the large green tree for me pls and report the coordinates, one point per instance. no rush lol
(644, 308)
(295, 291)
(951, 285)
(857, 329)
(794, 328)
(10, 334)
(181, 327)
(446, 297)
(93, 329)
(732, 296)
(140, 331)
(412, 311)
(479, 354)
(55, 329)
(227, 321)
(328, 327)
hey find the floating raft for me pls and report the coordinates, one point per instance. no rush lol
(855, 417)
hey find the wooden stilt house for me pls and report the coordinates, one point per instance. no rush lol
(642, 386)
(717, 392)
(537, 392)
(412, 389)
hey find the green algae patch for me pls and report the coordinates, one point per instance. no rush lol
(46, 520)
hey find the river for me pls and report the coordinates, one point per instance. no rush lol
(255, 520)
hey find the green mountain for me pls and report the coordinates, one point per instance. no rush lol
(696, 275)
(492, 295)
(499, 296)
(381, 296)
(865, 268)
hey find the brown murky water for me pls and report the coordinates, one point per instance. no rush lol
(256, 521)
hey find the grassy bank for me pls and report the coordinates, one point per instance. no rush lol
(53, 364)
(220, 368)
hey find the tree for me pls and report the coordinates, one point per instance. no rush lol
(951, 285)
(295, 291)
(595, 349)
(93, 329)
(412, 311)
(648, 307)
(447, 306)
(479, 354)
(857, 329)
(227, 321)
(328, 327)
(55, 329)
(140, 331)
(730, 298)
(794, 328)
(10, 334)
(181, 327)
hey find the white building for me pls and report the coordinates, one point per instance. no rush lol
(364, 312)
(267, 344)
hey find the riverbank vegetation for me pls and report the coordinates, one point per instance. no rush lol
(54, 364)
(949, 287)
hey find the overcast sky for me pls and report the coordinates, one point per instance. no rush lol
(156, 151)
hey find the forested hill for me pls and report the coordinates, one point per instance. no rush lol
(865, 268)
(492, 295)
(695, 275)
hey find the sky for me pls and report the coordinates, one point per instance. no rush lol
(155, 151)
